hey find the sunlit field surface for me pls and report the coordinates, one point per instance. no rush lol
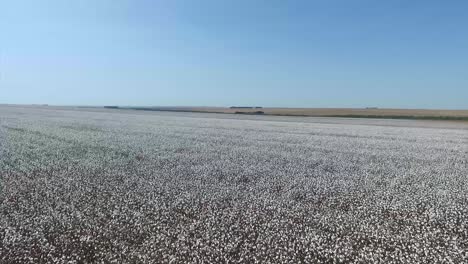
(82, 186)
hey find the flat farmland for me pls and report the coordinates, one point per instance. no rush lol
(124, 186)
(387, 113)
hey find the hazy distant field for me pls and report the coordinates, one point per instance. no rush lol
(124, 186)
(339, 112)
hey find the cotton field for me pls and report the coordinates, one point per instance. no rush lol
(116, 186)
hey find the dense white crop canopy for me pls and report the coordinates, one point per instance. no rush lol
(93, 186)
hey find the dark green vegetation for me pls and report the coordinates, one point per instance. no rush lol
(250, 113)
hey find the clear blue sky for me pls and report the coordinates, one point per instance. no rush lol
(401, 54)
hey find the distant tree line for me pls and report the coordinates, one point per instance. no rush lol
(245, 107)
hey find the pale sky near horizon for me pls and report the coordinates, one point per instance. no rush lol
(329, 53)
